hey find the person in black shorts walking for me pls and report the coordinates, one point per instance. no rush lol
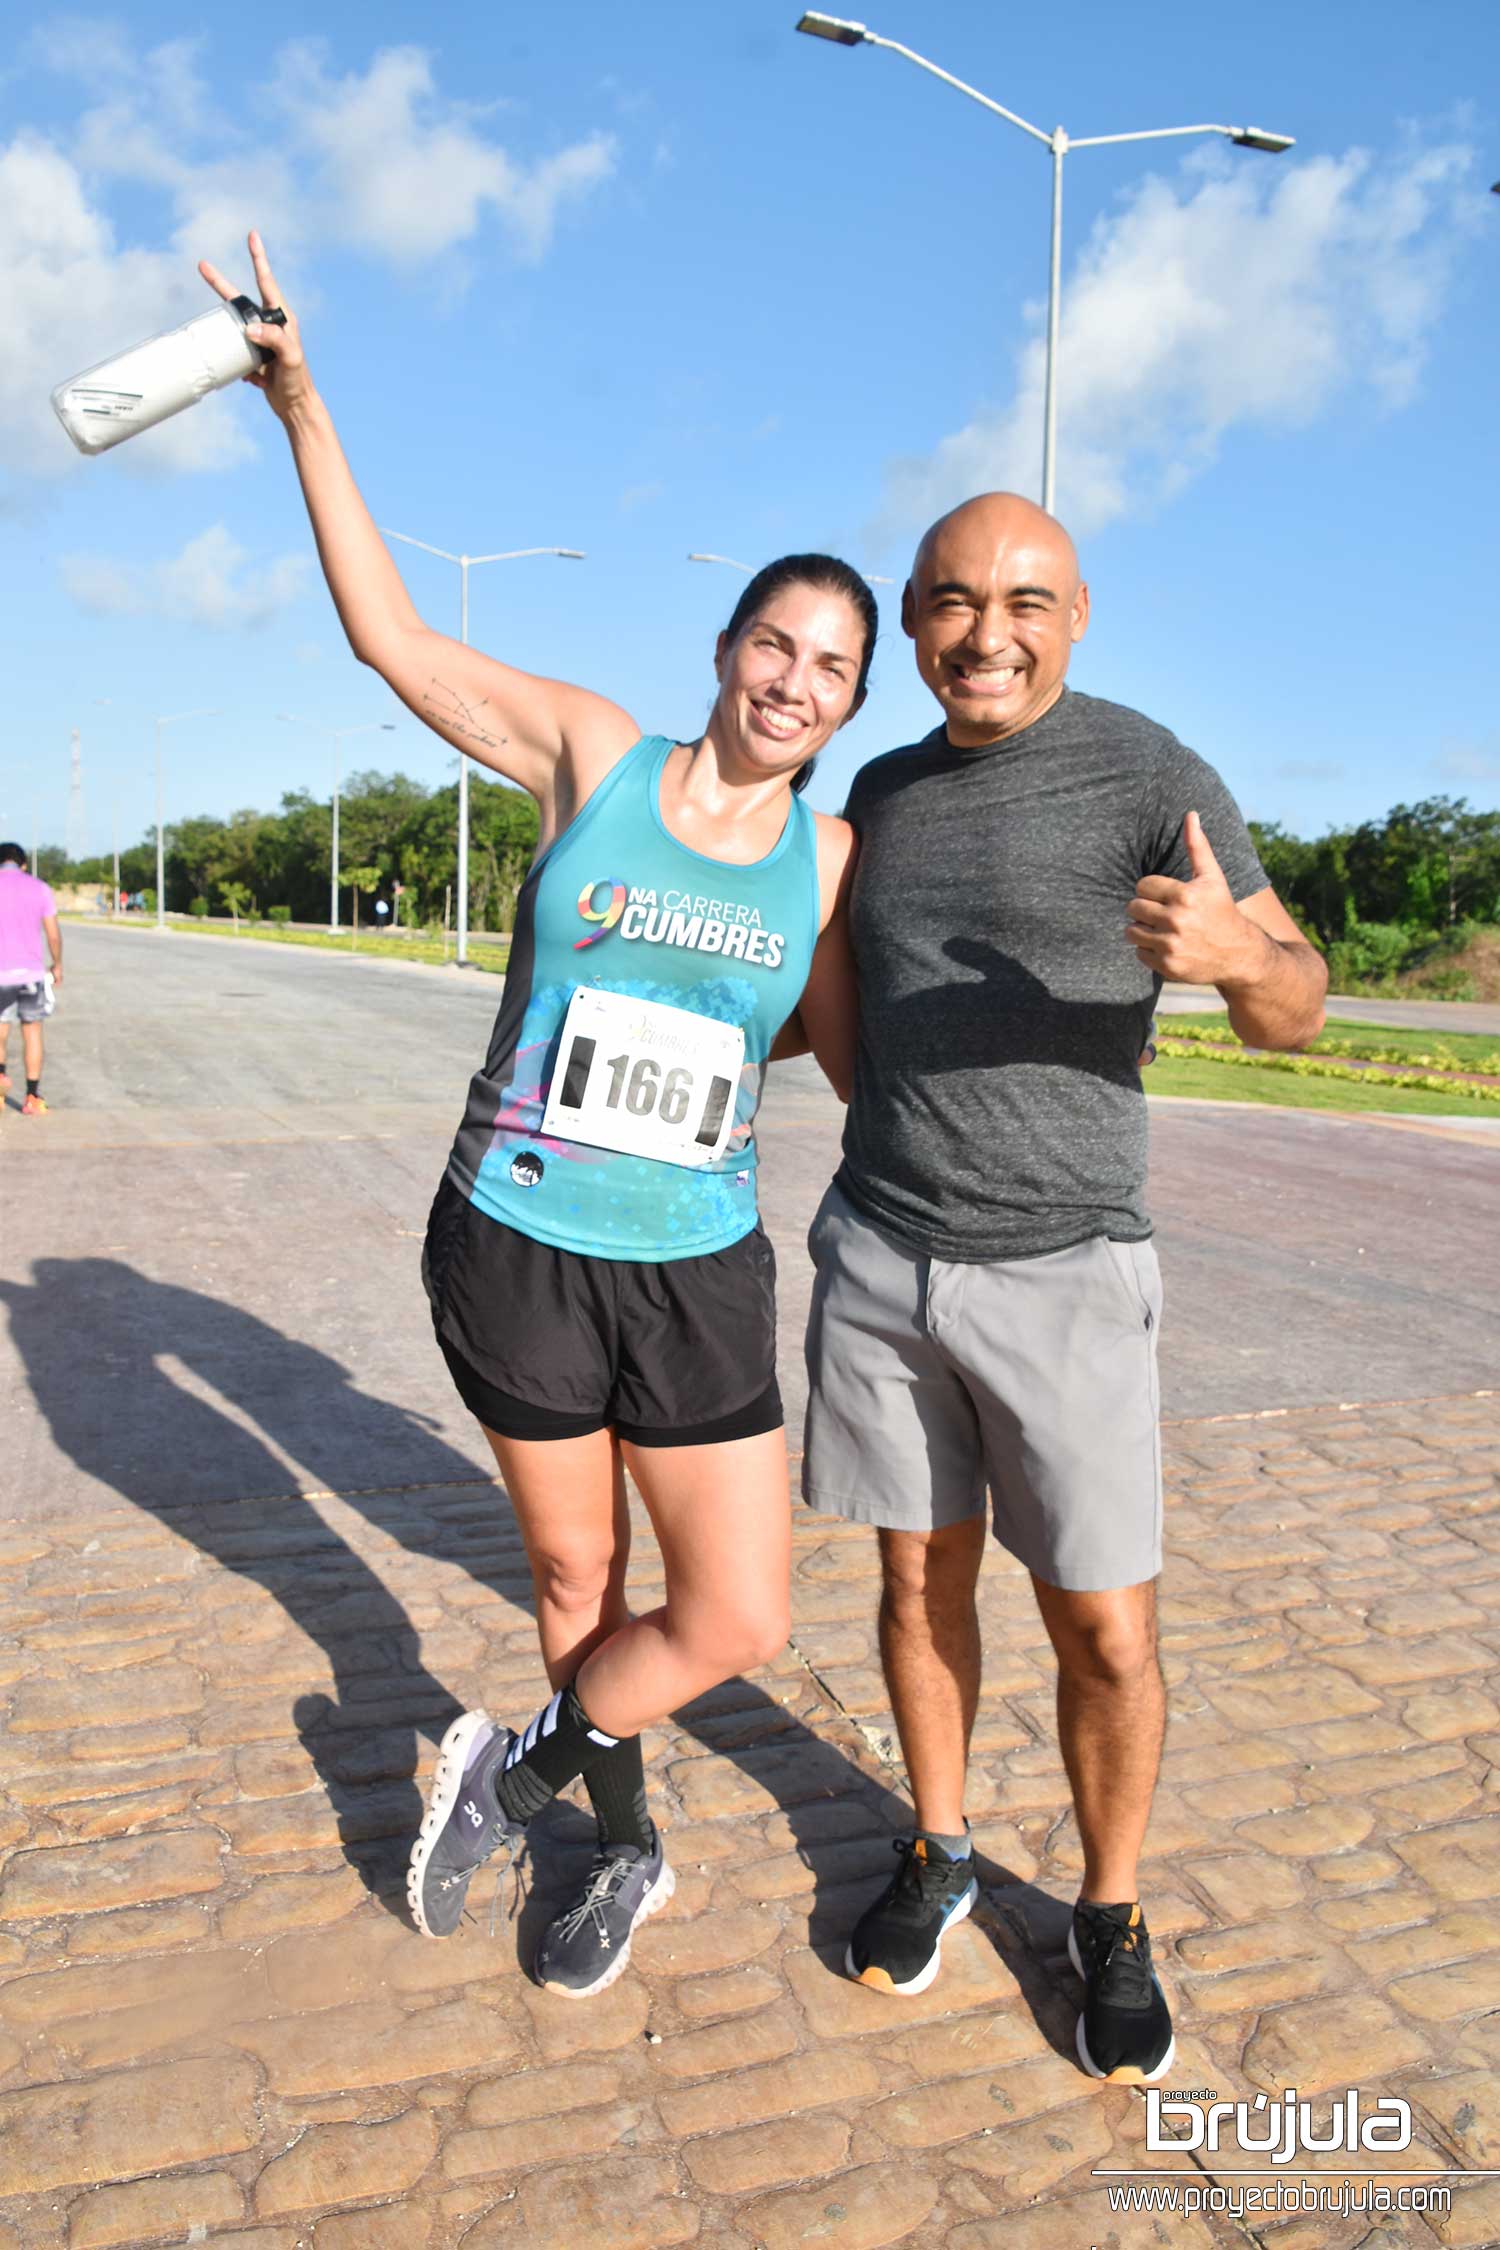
(987, 1300)
(601, 1288)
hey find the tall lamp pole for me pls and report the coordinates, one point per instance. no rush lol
(339, 736)
(465, 564)
(170, 719)
(843, 34)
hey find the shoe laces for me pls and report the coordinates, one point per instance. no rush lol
(918, 1872)
(1123, 1954)
(514, 1861)
(605, 1878)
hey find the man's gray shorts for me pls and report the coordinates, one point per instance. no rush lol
(929, 1380)
(29, 1002)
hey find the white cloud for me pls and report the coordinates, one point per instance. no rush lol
(404, 174)
(1238, 293)
(207, 584)
(1474, 762)
(378, 161)
(100, 57)
(72, 295)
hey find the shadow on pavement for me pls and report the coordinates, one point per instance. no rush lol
(97, 1337)
(94, 1335)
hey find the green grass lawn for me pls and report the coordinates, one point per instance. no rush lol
(484, 952)
(1376, 1042)
(1205, 1080)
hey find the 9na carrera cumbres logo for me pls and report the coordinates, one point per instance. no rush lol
(1279, 2128)
(684, 919)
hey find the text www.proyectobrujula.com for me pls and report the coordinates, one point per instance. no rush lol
(1277, 2132)
(1277, 2199)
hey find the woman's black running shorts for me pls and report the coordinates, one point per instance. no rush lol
(546, 1343)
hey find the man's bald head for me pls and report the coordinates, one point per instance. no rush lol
(994, 604)
(992, 521)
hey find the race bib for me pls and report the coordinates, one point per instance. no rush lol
(644, 1079)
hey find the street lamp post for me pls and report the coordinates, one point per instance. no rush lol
(339, 734)
(844, 34)
(870, 577)
(170, 719)
(465, 564)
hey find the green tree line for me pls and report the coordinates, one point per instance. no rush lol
(1379, 898)
(406, 833)
(1392, 894)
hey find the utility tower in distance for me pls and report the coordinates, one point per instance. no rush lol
(77, 843)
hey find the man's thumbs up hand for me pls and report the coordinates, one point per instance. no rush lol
(1192, 932)
(1200, 852)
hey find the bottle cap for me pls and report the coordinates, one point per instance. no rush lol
(267, 315)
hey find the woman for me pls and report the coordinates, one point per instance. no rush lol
(600, 1285)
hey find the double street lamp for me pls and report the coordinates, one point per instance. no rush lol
(844, 34)
(339, 736)
(171, 719)
(465, 564)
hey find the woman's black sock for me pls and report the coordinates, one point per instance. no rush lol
(560, 1744)
(616, 1783)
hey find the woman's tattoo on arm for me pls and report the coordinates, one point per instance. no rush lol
(449, 710)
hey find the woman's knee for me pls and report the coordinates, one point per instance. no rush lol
(728, 1643)
(765, 1640)
(573, 1582)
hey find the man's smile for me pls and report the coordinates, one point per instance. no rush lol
(983, 679)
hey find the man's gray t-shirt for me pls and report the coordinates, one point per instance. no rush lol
(997, 1108)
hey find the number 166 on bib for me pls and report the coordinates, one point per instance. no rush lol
(644, 1078)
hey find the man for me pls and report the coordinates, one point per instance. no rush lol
(987, 1298)
(28, 913)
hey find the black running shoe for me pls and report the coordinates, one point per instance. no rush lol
(1125, 2031)
(588, 1945)
(463, 1825)
(897, 1942)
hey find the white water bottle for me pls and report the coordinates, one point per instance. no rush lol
(155, 380)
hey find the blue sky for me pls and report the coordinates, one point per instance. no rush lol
(640, 279)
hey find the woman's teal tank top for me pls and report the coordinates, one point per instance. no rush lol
(617, 906)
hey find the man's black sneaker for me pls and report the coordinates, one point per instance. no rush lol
(588, 1945)
(463, 1824)
(897, 1942)
(1125, 2031)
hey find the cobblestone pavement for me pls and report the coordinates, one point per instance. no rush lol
(218, 2025)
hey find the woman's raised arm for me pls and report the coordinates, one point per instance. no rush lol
(522, 726)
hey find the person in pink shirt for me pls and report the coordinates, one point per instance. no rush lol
(28, 915)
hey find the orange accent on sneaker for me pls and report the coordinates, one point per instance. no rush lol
(878, 1977)
(919, 1848)
(33, 1106)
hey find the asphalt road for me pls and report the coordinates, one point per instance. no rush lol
(1410, 1015)
(209, 1259)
